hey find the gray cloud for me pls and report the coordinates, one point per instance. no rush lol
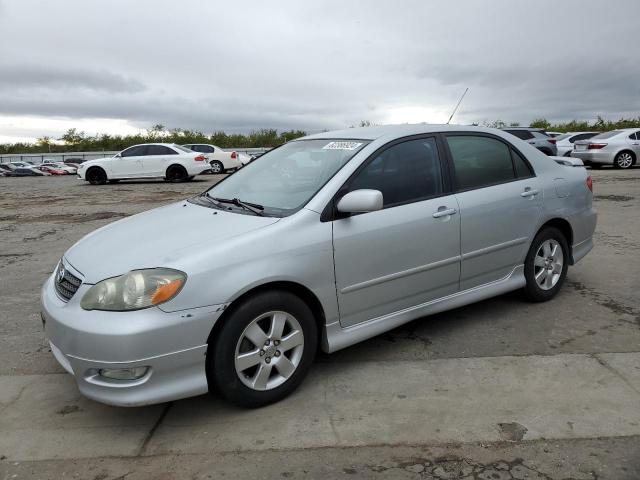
(321, 65)
(16, 78)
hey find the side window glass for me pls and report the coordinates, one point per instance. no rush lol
(158, 150)
(207, 149)
(404, 173)
(134, 151)
(479, 161)
(522, 168)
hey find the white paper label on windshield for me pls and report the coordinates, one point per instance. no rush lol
(342, 146)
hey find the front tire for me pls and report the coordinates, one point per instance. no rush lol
(546, 265)
(96, 176)
(264, 349)
(176, 174)
(624, 160)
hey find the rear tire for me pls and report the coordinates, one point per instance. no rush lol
(216, 167)
(624, 160)
(96, 176)
(270, 366)
(176, 174)
(546, 265)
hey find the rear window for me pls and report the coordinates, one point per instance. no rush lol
(610, 134)
(521, 134)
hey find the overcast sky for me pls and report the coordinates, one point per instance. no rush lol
(119, 66)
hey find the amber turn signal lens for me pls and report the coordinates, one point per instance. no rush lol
(165, 292)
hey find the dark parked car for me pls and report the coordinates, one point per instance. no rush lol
(27, 172)
(537, 137)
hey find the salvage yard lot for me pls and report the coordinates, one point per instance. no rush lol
(502, 387)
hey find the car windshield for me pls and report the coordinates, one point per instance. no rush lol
(610, 134)
(283, 180)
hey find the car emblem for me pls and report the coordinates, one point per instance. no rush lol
(61, 273)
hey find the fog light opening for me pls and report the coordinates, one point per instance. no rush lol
(133, 373)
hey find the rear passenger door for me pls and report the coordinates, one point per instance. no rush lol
(157, 159)
(500, 204)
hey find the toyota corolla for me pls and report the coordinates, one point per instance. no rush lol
(319, 244)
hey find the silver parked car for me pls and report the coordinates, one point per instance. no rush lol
(619, 148)
(318, 244)
(536, 137)
(565, 141)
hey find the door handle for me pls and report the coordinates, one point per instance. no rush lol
(528, 192)
(444, 211)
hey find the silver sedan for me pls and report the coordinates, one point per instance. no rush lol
(319, 244)
(619, 148)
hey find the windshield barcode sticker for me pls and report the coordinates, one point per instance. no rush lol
(341, 146)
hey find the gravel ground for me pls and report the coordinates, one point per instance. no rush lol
(579, 352)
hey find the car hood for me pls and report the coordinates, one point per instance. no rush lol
(164, 237)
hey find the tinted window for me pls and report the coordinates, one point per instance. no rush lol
(134, 151)
(633, 136)
(206, 148)
(522, 134)
(582, 136)
(480, 161)
(159, 150)
(406, 172)
(522, 168)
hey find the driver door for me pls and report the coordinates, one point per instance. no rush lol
(130, 163)
(406, 254)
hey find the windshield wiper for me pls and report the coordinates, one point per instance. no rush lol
(252, 207)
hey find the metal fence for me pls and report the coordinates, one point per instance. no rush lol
(61, 157)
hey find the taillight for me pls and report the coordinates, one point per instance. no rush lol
(596, 146)
(590, 183)
(551, 140)
(234, 155)
(200, 158)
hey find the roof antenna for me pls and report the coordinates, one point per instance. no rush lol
(459, 102)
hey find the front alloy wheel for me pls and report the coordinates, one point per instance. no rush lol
(269, 350)
(263, 349)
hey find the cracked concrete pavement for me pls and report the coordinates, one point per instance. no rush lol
(499, 389)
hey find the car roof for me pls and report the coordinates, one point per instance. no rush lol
(394, 131)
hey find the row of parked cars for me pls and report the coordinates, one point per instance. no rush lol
(150, 160)
(46, 168)
(620, 148)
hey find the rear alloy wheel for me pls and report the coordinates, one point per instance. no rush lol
(623, 160)
(264, 349)
(176, 174)
(96, 176)
(546, 265)
(217, 167)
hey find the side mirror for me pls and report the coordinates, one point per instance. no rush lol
(360, 201)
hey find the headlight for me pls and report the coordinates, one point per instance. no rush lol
(135, 290)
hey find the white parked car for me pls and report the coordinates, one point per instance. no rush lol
(564, 142)
(219, 159)
(149, 160)
(61, 166)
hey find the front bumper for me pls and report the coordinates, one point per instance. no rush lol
(172, 345)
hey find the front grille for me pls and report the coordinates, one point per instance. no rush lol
(66, 283)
